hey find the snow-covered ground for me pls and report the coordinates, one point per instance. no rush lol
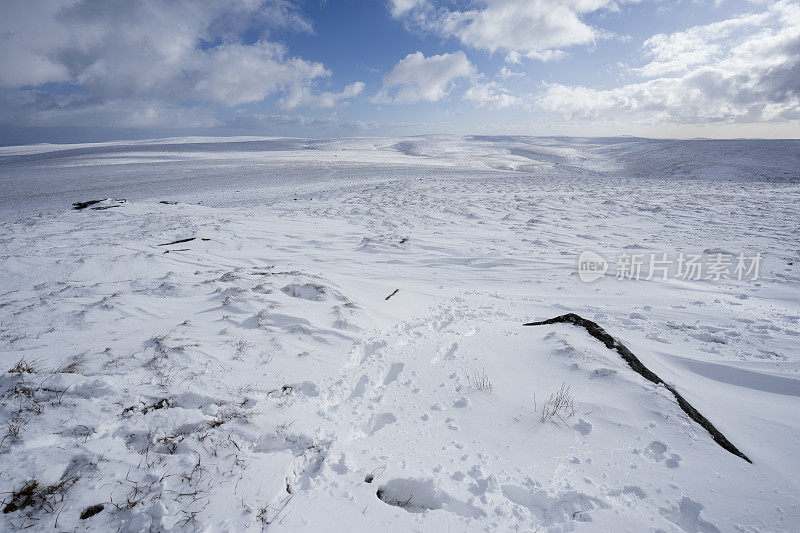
(258, 376)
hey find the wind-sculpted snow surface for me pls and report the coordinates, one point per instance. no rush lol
(237, 365)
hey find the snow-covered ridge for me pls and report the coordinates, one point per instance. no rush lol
(257, 375)
(262, 169)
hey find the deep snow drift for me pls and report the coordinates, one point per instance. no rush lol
(256, 374)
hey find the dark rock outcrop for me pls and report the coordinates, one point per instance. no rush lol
(613, 344)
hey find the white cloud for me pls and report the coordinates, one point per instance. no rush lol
(417, 77)
(537, 29)
(745, 69)
(235, 74)
(491, 95)
(682, 51)
(302, 96)
(160, 54)
(507, 73)
(401, 7)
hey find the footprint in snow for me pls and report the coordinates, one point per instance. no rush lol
(360, 387)
(421, 495)
(583, 427)
(377, 422)
(657, 451)
(461, 402)
(686, 515)
(393, 373)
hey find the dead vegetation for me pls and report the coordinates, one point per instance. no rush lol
(242, 347)
(480, 381)
(374, 474)
(274, 510)
(146, 408)
(23, 367)
(73, 366)
(24, 397)
(191, 489)
(560, 406)
(166, 371)
(162, 348)
(37, 497)
(14, 427)
(227, 415)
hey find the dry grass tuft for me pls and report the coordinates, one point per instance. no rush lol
(560, 405)
(480, 381)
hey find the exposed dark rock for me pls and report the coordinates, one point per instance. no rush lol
(600, 334)
(83, 205)
(113, 202)
(178, 241)
(91, 511)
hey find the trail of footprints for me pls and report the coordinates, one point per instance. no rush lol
(361, 390)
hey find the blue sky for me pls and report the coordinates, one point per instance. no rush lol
(73, 70)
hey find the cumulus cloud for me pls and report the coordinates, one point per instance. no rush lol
(108, 55)
(507, 73)
(491, 95)
(744, 69)
(401, 7)
(429, 79)
(302, 96)
(235, 74)
(537, 29)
